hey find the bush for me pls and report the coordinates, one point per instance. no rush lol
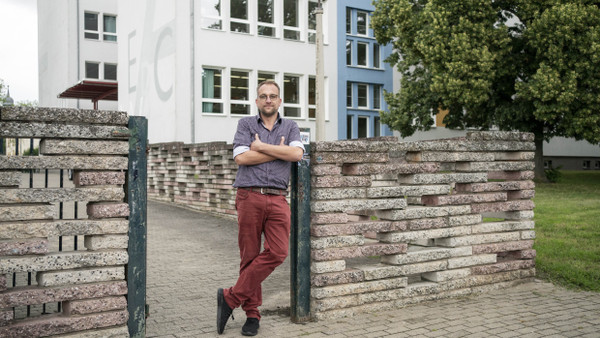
(35, 152)
(553, 174)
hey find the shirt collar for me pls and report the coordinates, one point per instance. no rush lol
(278, 121)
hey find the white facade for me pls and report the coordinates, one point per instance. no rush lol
(64, 48)
(194, 80)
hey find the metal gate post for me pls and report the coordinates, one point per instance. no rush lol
(300, 242)
(136, 197)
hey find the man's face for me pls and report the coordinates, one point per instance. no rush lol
(268, 100)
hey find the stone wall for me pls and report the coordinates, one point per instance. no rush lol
(65, 289)
(392, 223)
(195, 175)
(396, 223)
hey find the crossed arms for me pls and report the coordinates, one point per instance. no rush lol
(261, 152)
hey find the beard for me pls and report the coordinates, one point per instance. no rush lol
(267, 114)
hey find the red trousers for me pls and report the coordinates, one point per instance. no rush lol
(258, 214)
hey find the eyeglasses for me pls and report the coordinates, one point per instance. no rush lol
(264, 97)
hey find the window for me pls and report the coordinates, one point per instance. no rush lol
(212, 100)
(211, 14)
(291, 96)
(376, 56)
(312, 97)
(548, 164)
(376, 96)
(312, 21)
(349, 127)
(266, 21)
(363, 126)
(361, 23)
(377, 126)
(110, 71)
(597, 165)
(361, 54)
(238, 13)
(363, 95)
(348, 52)
(92, 70)
(240, 98)
(110, 28)
(262, 76)
(348, 94)
(91, 26)
(586, 165)
(348, 21)
(291, 28)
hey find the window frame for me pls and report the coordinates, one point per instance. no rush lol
(312, 106)
(295, 29)
(221, 100)
(92, 32)
(239, 21)
(358, 12)
(104, 71)
(360, 44)
(204, 17)
(297, 105)
(376, 55)
(358, 97)
(97, 64)
(246, 102)
(105, 33)
(260, 24)
(377, 90)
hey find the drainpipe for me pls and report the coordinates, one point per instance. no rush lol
(192, 75)
(320, 81)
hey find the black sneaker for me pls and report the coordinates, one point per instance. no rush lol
(223, 311)
(251, 327)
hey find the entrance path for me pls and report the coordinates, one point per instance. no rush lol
(191, 254)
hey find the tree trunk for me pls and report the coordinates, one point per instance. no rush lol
(539, 156)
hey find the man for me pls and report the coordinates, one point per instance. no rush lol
(264, 147)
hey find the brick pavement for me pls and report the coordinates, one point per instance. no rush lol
(191, 254)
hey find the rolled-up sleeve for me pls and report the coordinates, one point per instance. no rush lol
(241, 140)
(240, 150)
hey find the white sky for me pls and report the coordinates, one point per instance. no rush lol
(18, 48)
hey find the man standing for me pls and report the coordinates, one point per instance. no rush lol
(264, 147)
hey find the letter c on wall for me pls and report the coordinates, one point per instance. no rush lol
(163, 94)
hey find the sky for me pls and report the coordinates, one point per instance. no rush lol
(18, 48)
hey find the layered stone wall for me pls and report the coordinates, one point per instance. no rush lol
(395, 223)
(195, 175)
(46, 286)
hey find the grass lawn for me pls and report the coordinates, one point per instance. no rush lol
(567, 224)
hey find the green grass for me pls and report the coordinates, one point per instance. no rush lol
(567, 224)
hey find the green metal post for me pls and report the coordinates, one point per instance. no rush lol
(300, 242)
(137, 175)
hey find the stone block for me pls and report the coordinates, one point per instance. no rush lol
(417, 254)
(353, 146)
(528, 234)
(325, 170)
(377, 249)
(514, 156)
(99, 242)
(112, 332)
(64, 261)
(511, 215)
(356, 228)
(464, 220)
(440, 178)
(495, 166)
(340, 181)
(511, 175)
(328, 266)
(2, 282)
(85, 178)
(408, 236)
(503, 247)
(438, 156)
(10, 179)
(54, 325)
(464, 198)
(418, 268)
(518, 255)
(521, 194)
(479, 239)
(24, 247)
(334, 278)
(358, 288)
(461, 262)
(32, 296)
(83, 147)
(502, 266)
(427, 223)
(18, 230)
(338, 193)
(336, 242)
(458, 145)
(393, 168)
(71, 131)
(380, 271)
(357, 204)
(328, 218)
(415, 212)
(6, 315)
(502, 226)
(48, 114)
(349, 157)
(407, 190)
(443, 276)
(107, 210)
(516, 205)
(495, 186)
(88, 306)
(80, 276)
(26, 212)
(53, 195)
(500, 135)
(64, 162)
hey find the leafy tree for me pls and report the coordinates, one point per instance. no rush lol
(2, 92)
(525, 65)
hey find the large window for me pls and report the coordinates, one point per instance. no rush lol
(361, 22)
(291, 28)
(240, 92)
(348, 94)
(348, 52)
(211, 14)
(90, 26)
(291, 96)
(361, 54)
(92, 70)
(312, 21)
(363, 126)
(110, 71)
(376, 96)
(212, 85)
(363, 95)
(312, 97)
(266, 18)
(377, 126)
(239, 16)
(348, 21)
(349, 127)
(376, 56)
(110, 28)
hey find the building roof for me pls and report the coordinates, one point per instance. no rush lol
(93, 90)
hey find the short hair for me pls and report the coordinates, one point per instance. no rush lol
(268, 82)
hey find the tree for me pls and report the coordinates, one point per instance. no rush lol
(2, 92)
(525, 65)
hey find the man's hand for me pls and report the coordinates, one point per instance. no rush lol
(258, 145)
(261, 152)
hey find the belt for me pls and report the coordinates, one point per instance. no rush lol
(267, 191)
